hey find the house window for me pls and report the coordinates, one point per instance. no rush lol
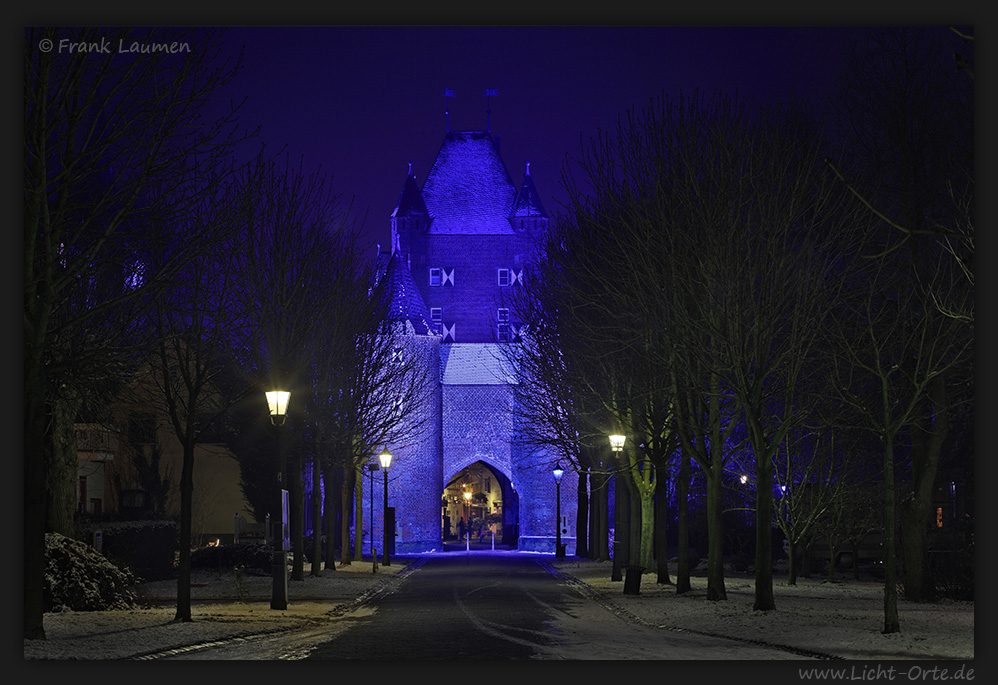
(434, 276)
(503, 277)
(436, 314)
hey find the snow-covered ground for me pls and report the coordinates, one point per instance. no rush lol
(840, 619)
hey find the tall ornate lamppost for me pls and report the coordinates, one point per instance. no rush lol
(277, 402)
(386, 460)
(559, 553)
(617, 447)
(467, 520)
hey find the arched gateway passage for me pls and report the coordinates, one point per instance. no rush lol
(492, 509)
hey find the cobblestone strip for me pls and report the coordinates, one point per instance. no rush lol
(385, 587)
(620, 612)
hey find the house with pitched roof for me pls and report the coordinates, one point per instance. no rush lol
(459, 244)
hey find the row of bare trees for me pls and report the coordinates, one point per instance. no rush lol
(714, 290)
(164, 270)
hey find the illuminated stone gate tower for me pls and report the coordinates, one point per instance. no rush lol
(462, 241)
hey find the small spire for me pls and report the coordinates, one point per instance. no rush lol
(528, 168)
(448, 93)
(410, 168)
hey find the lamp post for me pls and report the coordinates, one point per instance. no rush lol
(559, 548)
(386, 460)
(371, 468)
(277, 402)
(467, 519)
(617, 446)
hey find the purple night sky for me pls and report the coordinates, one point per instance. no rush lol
(363, 102)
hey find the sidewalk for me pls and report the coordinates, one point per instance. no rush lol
(841, 620)
(221, 608)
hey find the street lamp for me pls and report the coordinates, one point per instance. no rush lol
(277, 402)
(559, 549)
(467, 519)
(371, 468)
(386, 460)
(617, 443)
(617, 446)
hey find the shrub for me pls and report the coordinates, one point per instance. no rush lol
(254, 556)
(147, 548)
(79, 578)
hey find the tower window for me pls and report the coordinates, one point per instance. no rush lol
(434, 276)
(503, 277)
(436, 314)
(503, 326)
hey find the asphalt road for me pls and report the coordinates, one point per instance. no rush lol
(485, 607)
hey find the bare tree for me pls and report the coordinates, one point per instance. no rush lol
(102, 135)
(907, 121)
(196, 324)
(891, 351)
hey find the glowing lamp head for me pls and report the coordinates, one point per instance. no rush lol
(617, 443)
(558, 473)
(467, 496)
(385, 458)
(277, 401)
(744, 479)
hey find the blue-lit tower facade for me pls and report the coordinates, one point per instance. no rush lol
(459, 244)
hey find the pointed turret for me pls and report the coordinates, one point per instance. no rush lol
(405, 304)
(528, 210)
(410, 216)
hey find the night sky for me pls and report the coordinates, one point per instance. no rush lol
(360, 103)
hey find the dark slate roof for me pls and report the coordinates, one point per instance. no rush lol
(468, 189)
(405, 304)
(528, 201)
(411, 199)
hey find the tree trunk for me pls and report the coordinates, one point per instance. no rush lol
(63, 467)
(683, 506)
(331, 508)
(917, 518)
(346, 503)
(792, 563)
(715, 534)
(621, 548)
(661, 528)
(764, 600)
(636, 524)
(316, 515)
(599, 521)
(891, 621)
(358, 528)
(297, 487)
(582, 515)
(186, 516)
(34, 482)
